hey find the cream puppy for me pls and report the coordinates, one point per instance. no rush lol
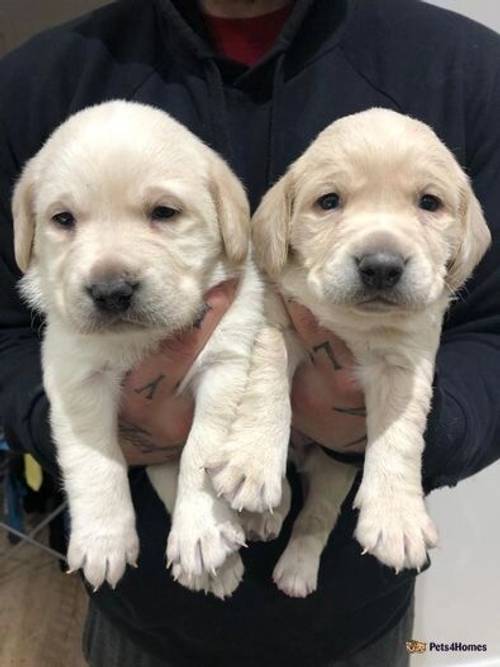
(374, 228)
(122, 222)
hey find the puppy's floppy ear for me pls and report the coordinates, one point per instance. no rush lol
(233, 210)
(270, 227)
(24, 216)
(474, 240)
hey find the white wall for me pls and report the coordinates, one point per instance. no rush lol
(458, 598)
(485, 11)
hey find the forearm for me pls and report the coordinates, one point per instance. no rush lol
(463, 430)
(24, 405)
(141, 448)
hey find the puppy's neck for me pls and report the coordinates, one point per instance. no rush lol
(368, 331)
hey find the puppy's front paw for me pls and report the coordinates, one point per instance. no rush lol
(262, 527)
(395, 528)
(222, 584)
(266, 526)
(296, 572)
(246, 478)
(204, 532)
(103, 551)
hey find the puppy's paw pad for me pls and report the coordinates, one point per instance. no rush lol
(194, 583)
(200, 541)
(227, 578)
(397, 531)
(246, 482)
(296, 572)
(222, 584)
(103, 554)
(262, 527)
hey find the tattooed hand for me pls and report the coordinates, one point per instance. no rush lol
(328, 403)
(154, 423)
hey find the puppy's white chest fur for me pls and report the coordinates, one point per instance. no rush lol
(372, 229)
(117, 265)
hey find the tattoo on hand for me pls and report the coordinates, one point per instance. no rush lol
(360, 441)
(328, 349)
(201, 315)
(151, 387)
(354, 412)
(125, 377)
(142, 440)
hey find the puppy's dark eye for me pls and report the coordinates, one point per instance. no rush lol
(163, 213)
(329, 202)
(64, 219)
(430, 203)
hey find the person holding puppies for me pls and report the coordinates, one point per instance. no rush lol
(258, 81)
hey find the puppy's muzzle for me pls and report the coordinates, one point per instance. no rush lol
(113, 296)
(381, 270)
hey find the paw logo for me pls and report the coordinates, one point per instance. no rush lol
(414, 646)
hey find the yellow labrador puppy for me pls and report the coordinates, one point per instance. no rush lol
(122, 222)
(373, 228)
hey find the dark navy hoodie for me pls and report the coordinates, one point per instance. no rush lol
(332, 58)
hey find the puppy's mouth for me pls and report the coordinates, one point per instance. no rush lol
(378, 303)
(139, 321)
(115, 324)
(125, 324)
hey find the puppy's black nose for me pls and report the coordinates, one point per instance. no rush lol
(381, 270)
(112, 295)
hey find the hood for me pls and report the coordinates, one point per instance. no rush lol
(313, 27)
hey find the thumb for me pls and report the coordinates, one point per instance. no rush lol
(182, 350)
(318, 339)
(304, 322)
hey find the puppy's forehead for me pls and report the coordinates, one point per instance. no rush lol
(378, 127)
(376, 141)
(123, 142)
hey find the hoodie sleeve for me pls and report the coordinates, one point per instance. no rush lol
(54, 74)
(23, 404)
(30, 106)
(463, 434)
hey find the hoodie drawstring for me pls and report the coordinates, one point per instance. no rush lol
(274, 133)
(219, 117)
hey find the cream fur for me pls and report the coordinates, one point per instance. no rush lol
(380, 163)
(110, 165)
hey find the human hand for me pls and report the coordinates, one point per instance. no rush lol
(154, 422)
(327, 401)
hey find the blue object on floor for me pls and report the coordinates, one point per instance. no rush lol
(14, 492)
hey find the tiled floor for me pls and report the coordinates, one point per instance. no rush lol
(41, 611)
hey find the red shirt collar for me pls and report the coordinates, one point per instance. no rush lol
(247, 40)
